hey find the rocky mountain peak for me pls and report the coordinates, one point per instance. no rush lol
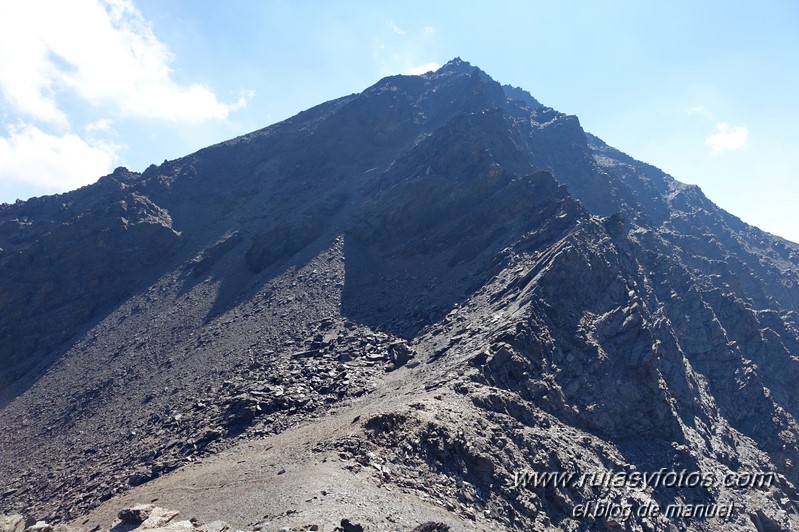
(425, 298)
(457, 65)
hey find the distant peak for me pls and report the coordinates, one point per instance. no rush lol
(458, 64)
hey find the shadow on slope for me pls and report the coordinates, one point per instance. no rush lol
(76, 256)
(426, 244)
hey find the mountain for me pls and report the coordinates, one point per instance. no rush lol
(404, 309)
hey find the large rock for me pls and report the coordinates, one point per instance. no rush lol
(136, 514)
(12, 523)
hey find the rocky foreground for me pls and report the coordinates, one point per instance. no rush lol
(156, 519)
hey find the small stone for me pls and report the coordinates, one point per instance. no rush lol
(348, 526)
(40, 526)
(136, 514)
(214, 526)
(431, 526)
(159, 517)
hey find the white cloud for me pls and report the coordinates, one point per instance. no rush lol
(52, 163)
(103, 125)
(421, 69)
(98, 58)
(103, 51)
(727, 138)
(428, 29)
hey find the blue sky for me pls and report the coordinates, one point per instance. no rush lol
(707, 91)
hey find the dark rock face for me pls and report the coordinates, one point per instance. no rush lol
(68, 258)
(539, 300)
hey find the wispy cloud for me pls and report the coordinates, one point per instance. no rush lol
(421, 69)
(727, 138)
(396, 29)
(407, 54)
(103, 125)
(700, 110)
